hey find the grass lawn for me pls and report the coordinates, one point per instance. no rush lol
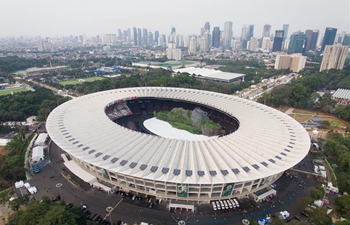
(74, 82)
(300, 111)
(336, 123)
(8, 91)
(300, 117)
(91, 79)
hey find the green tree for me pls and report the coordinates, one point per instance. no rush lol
(319, 216)
(342, 205)
(317, 192)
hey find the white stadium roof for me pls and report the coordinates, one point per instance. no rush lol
(266, 143)
(342, 93)
(211, 73)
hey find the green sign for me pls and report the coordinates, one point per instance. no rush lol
(227, 189)
(182, 190)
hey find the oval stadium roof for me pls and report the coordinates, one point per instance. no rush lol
(266, 143)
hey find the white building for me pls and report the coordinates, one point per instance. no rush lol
(172, 52)
(266, 44)
(192, 47)
(253, 44)
(228, 34)
(295, 62)
(334, 57)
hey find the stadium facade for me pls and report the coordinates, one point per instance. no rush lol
(265, 143)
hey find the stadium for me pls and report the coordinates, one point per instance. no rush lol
(104, 135)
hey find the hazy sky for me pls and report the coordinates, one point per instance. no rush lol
(92, 17)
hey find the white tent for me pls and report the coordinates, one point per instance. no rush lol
(102, 186)
(41, 139)
(27, 185)
(79, 172)
(19, 184)
(38, 153)
(32, 190)
(264, 195)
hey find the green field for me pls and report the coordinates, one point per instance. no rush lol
(336, 123)
(74, 82)
(8, 91)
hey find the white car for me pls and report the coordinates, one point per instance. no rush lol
(218, 205)
(222, 204)
(235, 200)
(229, 204)
(233, 203)
(226, 205)
(214, 206)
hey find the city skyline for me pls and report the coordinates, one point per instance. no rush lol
(65, 17)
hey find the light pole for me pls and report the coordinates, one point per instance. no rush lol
(59, 185)
(109, 210)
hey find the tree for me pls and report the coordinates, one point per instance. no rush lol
(303, 202)
(345, 222)
(342, 205)
(317, 192)
(325, 124)
(319, 216)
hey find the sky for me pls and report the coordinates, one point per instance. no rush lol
(54, 18)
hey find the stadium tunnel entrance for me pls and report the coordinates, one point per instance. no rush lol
(132, 113)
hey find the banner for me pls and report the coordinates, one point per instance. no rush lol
(227, 189)
(182, 190)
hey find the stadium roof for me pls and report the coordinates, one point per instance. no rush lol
(266, 143)
(211, 74)
(342, 93)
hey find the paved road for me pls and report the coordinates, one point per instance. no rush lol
(288, 190)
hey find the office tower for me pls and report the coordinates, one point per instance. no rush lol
(135, 35)
(311, 40)
(139, 37)
(341, 37)
(120, 35)
(192, 47)
(227, 34)
(156, 36)
(186, 41)
(129, 35)
(150, 38)
(216, 37)
(244, 36)
(44, 45)
(328, 37)
(207, 27)
(266, 43)
(294, 62)
(109, 39)
(253, 44)
(144, 37)
(204, 47)
(202, 31)
(172, 52)
(285, 28)
(277, 41)
(286, 44)
(334, 57)
(296, 43)
(173, 30)
(250, 32)
(125, 35)
(161, 41)
(346, 40)
(179, 40)
(266, 30)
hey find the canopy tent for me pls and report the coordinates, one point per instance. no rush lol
(79, 172)
(19, 184)
(264, 195)
(182, 206)
(103, 187)
(41, 139)
(38, 153)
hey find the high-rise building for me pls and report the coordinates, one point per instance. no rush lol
(277, 41)
(109, 39)
(44, 45)
(285, 28)
(144, 36)
(266, 30)
(192, 47)
(203, 44)
(173, 30)
(135, 36)
(244, 36)
(120, 35)
(150, 38)
(139, 37)
(161, 41)
(346, 40)
(173, 52)
(328, 37)
(216, 37)
(179, 40)
(286, 44)
(297, 43)
(250, 32)
(227, 34)
(156, 36)
(207, 27)
(202, 32)
(253, 44)
(334, 57)
(266, 43)
(294, 62)
(311, 40)
(129, 35)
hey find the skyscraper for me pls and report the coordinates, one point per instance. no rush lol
(346, 40)
(227, 34)
(329, 37)
(150, 38)
(285, 28)
(334, 57)
(192, 47)
(266, 43)
(244, 36)
(216, 37)
(266, 30)
(277, 41)
(173, 30)
(207, 27)
(144, 37)
(139, 37)
(156, 36)
(296, 43)
(311, 40)
(135, 36)
(253, 44)
(250, 32)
